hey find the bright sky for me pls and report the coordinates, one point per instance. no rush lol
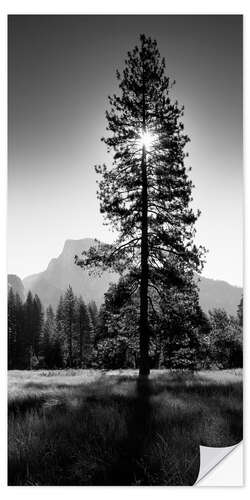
(61, 70)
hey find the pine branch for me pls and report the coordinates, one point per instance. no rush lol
(124, 245)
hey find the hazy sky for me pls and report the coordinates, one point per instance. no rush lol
(61, 70)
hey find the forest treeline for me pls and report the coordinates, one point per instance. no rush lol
(78, 335)
(50, 339)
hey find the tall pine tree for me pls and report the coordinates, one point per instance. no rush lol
(20, 334)
(69, 320)
(84, 333)
(28, 330)
(145, 194)
(12, 329)
(51, 346)
(37, 324)
(93, 312)
(46, 341)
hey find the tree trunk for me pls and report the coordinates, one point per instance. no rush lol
(144, 328)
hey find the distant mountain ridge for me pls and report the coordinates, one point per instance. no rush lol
(219, 294)
(16, 284)
(62, 272)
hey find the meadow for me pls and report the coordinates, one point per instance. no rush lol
(90, 427)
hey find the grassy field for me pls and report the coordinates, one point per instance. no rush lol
(87, 427)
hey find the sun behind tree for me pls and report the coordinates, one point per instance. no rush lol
(145, 194)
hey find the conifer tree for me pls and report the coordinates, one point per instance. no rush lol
(145, 194)
(37, 324)
(60, 331)
(59, 317)
(12, 329)
(51, 347)
(48, 331)
(84, 331)
(20, 333)
(93, 312)
(69, 320)
(28, 329)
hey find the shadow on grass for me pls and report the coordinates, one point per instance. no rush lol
(129, 469)
(121, 430)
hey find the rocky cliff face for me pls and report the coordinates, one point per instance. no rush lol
(16, 284)
(62, 272)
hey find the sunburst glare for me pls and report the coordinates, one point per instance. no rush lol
(146, 139)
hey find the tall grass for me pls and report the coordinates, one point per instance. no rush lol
(89, 427)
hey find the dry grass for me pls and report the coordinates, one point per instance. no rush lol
(87, 427)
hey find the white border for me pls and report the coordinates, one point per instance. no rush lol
(108, 7)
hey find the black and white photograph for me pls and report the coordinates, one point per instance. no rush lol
(125, 246)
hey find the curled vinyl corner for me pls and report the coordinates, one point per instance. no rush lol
(210, 457)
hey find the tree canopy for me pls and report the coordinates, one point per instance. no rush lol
(145, 194)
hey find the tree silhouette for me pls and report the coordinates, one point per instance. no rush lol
(145, 195)
(12, 329)
(37, 324)
(84, 331)
(69, 320)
